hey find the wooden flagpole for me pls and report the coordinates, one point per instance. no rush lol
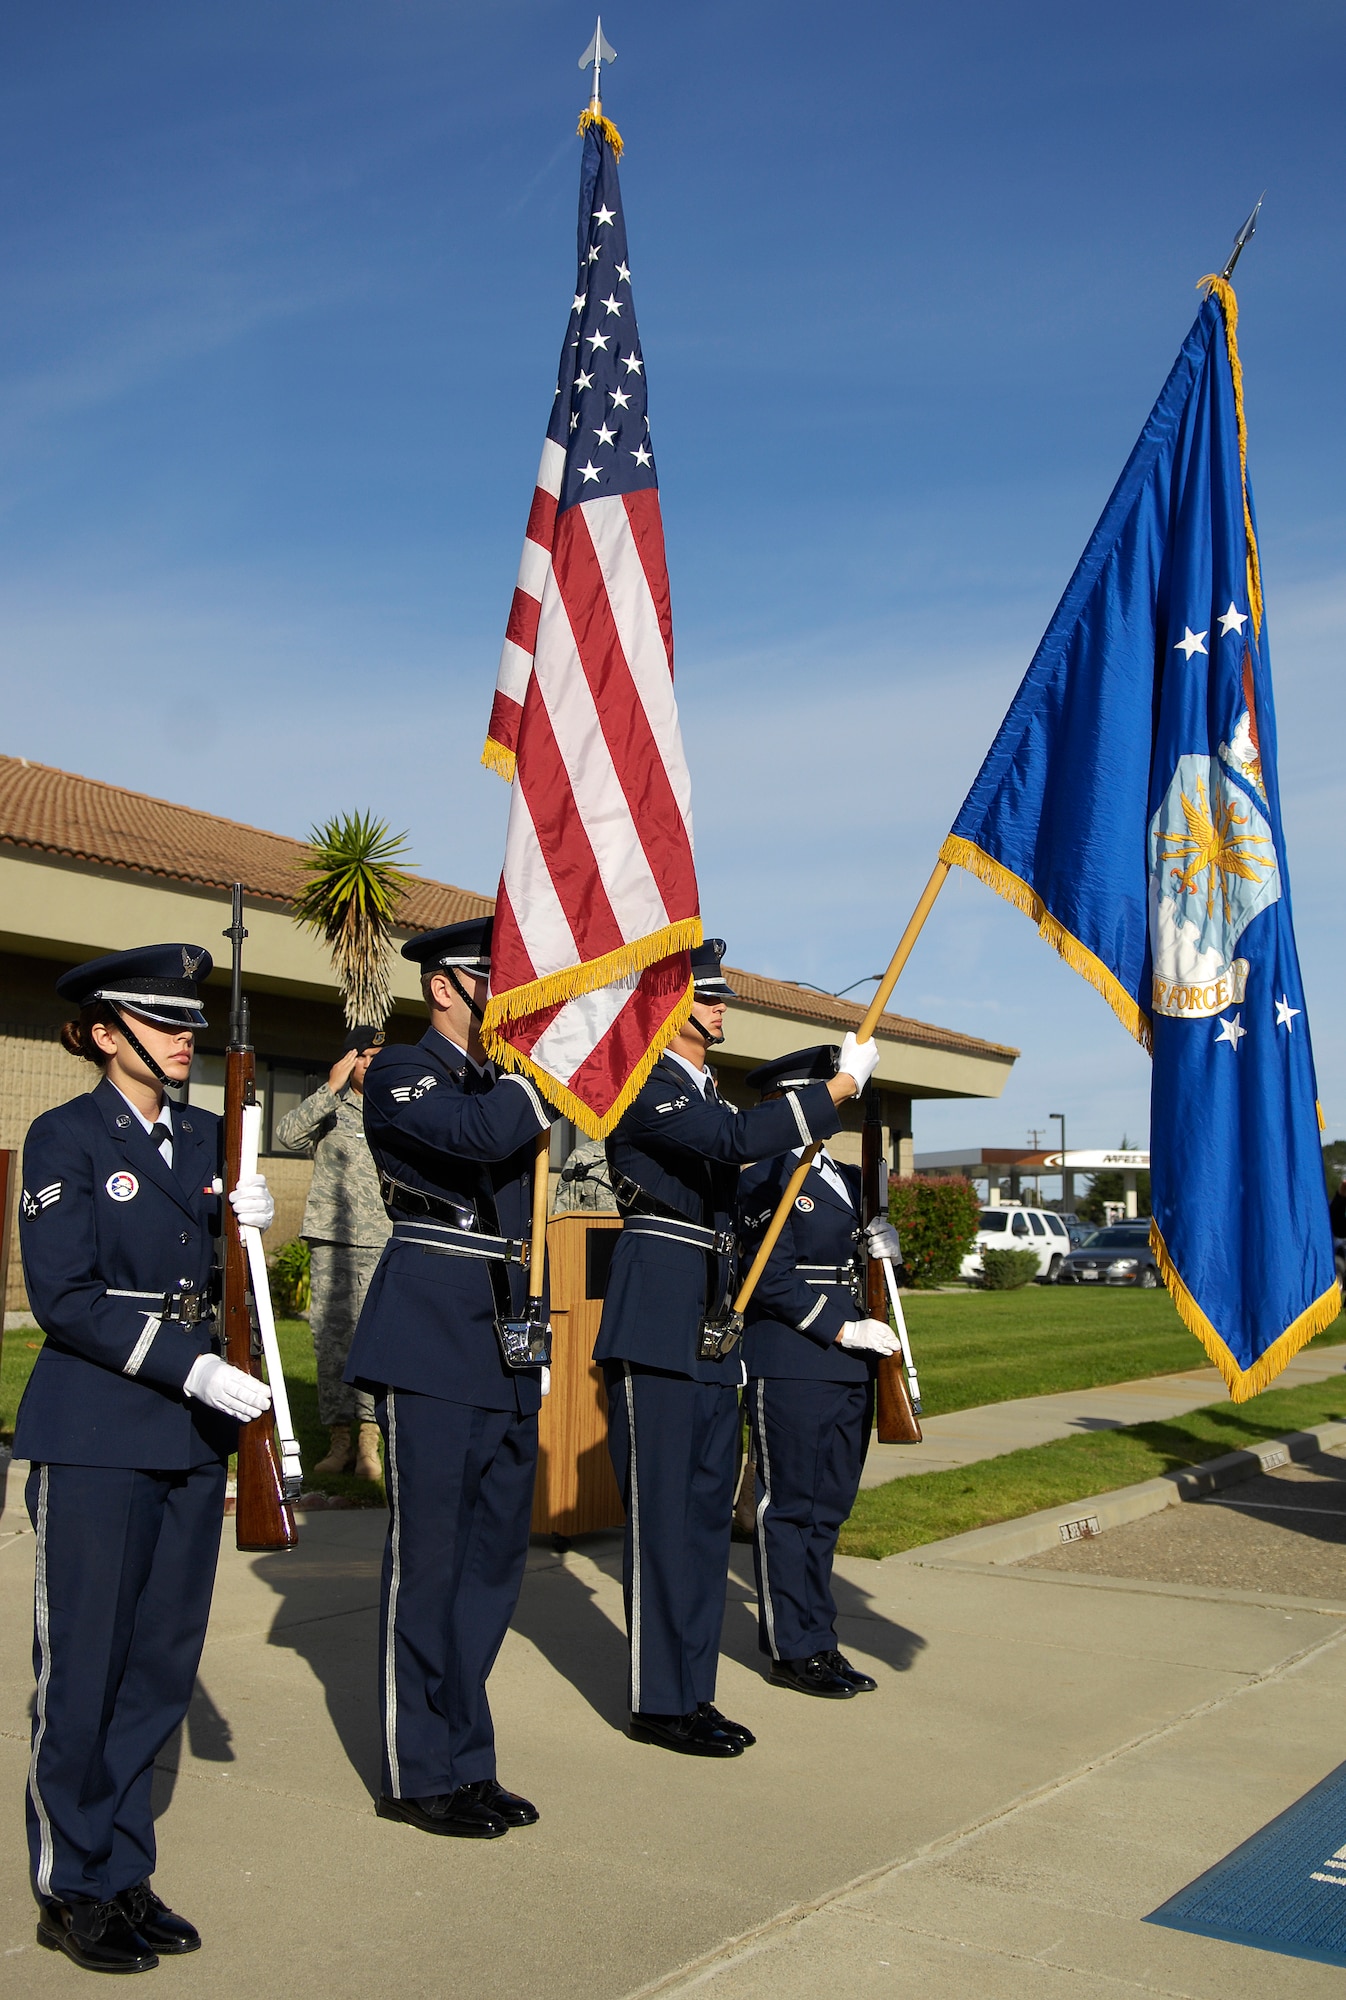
(537, 1256)
(862, 1034)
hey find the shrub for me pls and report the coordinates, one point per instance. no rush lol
(290, 1288)
(1006, 1270)
(937, 1221)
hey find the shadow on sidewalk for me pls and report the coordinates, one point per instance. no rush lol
(558, 1611)
(859, 1625)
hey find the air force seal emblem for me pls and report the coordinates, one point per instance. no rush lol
(1213, 868)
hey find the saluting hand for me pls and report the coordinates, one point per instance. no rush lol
(229, 1390)
(339, 1075)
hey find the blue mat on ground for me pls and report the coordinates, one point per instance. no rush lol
(1284, 1890)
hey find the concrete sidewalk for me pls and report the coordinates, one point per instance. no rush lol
(993, 1428)
(1048, 1757)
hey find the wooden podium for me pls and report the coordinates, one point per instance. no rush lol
(576, 1491)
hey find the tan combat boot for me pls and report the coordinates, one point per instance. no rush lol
(367, 1464)
(339, 1457)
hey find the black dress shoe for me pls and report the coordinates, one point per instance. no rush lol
(695, 1734)
(862, 1683)
(162, 1929)
(511, 1808)
(457, 1813)
(712, 1714)
(95, 1935)
(812, 1676)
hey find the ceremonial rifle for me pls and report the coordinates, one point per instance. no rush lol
(263, 1516)
(896, 1413)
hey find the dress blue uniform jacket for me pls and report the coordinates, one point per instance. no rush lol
(792, 1325)
(100, 1214)
(686, 1151)
(428, 1322)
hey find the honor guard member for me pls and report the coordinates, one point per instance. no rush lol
(672, 1379)
(454, 1145)
(812, 1356)
(128, 1419)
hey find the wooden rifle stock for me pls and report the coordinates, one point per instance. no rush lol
(896, 1421)
(262, 1517)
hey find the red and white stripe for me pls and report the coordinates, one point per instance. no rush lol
(599, 867)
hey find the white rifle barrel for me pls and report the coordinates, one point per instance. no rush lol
(895, 1300)
(291, 1471)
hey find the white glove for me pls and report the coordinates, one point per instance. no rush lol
(868, 1336)
(858, 1059)
(252, 1202)
(220, 1387)
(546, 1381)
(883, 1240)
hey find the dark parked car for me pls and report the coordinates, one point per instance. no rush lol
(1119, 1254)
(1078, 1232)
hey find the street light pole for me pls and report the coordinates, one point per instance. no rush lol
(1067, 1178)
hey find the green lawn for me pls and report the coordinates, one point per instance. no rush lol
(927, 1506)
(301, 1379)
(990, 1347)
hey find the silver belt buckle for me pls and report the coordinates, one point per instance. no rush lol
(525, 1342)
(719, 1337)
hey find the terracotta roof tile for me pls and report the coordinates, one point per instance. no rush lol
(782, 996)
(48, 811)
(55, 812)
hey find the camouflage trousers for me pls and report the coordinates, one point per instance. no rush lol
(340, 1275)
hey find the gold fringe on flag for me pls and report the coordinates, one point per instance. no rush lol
(1243, 1383)
(1229, 305)
(966, 854)
(566, 1102)
(498, 759)
(521, 1001)
(606, 127)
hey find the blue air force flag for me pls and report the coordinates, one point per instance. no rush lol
(1130, 805)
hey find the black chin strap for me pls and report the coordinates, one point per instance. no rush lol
(473, 1009)
(711, 1041)
(139, 1047)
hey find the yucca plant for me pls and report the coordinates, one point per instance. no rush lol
(353, 894)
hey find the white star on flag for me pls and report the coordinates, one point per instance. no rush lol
(604, 216)
(597, 340)
(632, 365)
(612, 304)
(604, 435)
(578, 306)
(1285, 1014)
(1191, 642)
(1232, 1032)
(642, 457)
(620, 399)
(624, 273)
(1232, 621)
(588, 472)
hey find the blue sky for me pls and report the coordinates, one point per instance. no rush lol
(284, 291)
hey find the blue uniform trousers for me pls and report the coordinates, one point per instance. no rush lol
(125, 1569)
(809, 1440)
(460, 1498)
(674, 1450)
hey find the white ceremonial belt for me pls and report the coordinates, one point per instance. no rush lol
(696, 1234)
(441, 1241)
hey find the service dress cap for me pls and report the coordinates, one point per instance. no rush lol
(464, 947)
(792, 1072)
(708, 981)
(156, 981)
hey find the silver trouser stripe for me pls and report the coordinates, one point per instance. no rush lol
(635, 1536)
(390, 1647)
(42, 1626)
(768, 1611)
(142, 1347)
(800, 1120)
(813, 1312)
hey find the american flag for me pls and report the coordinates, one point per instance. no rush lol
(597, 908)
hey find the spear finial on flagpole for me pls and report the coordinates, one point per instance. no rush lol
(597, 53)
(1245, 234)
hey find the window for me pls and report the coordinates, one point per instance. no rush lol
(280, 1086)
(1056, 1226)
(1039, 1227)
(995, 1220)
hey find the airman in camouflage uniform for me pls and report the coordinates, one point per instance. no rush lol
(346, 1227)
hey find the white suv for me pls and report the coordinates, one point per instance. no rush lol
(1010, 1227)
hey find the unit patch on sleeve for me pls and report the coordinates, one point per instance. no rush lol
(33, 1204)
(122, 1186)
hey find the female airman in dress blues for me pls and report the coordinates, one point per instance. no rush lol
(811, 1355)
(673, 1409)
(128, 1420)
